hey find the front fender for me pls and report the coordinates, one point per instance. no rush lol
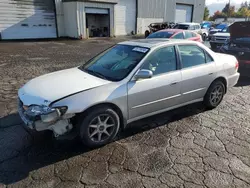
(114, 93)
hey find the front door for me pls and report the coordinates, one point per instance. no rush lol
(197, 72)
(149, 96)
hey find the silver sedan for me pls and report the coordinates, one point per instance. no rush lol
(125, 83)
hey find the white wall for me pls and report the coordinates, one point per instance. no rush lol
(219, 20)
(60, 18)
(125, 17)
(143, 23)
(70, 19)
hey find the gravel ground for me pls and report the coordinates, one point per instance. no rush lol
(187, 147)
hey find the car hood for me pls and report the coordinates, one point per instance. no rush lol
(240, 29)
(221, 34)
(215, 30)
(51, 87)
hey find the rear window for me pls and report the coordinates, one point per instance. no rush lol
(188, 35)
(181, 26)
(161, 34)
(194, 34)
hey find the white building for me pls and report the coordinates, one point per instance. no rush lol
(27, 19)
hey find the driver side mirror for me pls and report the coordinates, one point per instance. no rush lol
(143, 74)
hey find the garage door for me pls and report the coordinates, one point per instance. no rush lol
(125, 17)
(183, 13)
(27, 19)
(96, 11)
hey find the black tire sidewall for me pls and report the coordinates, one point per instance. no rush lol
(211, 88)
(86, 121)
(204, 37)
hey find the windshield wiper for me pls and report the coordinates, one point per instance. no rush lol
(96, 74)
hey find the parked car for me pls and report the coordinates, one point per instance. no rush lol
(154, 27)
(176, 34)
(218, 28)
(196, 27)
(219, 39)
(206, 25)
(239, 44)
(127, 82)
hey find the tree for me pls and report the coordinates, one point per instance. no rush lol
(229, 10)
(244, 4)
(206, 13)
(243, 12)
(217, 14)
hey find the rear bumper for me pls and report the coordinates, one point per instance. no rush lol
(233, 80)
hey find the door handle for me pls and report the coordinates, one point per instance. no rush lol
(211, 73)
(174, 83)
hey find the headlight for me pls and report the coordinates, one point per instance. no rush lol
(46, 113)
(50, 117)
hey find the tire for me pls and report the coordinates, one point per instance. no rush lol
(204, 37)
(147, 33)
(213, 46)
(102, 121)
(215, 94)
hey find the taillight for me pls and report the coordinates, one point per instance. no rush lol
(237, 66)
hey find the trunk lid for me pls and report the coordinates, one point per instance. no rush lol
(240, 30)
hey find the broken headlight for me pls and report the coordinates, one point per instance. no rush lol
(46, 113)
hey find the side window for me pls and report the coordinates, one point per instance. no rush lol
(197, 27)
(209, 59)
(191, 55)
(178, 36)
(191, 27)
(194, 34)
(161, 61)
(188, 35)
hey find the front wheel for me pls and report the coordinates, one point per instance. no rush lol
(99, 127)
(215, 94)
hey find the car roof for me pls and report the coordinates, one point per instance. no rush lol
(150, 43)
(171, 30)
(188, 23)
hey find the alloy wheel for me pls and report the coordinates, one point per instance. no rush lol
(216, 94)
(101, 128)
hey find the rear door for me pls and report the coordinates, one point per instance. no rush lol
(197, 69)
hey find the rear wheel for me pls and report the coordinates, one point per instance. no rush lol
(99, 127)
(147, 33)
(215, 94)
(204, 37)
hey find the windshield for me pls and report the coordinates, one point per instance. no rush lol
(115, 63)
(165, 34)
(225, 30)
(205, 25)
(221, 26)
(181, 26)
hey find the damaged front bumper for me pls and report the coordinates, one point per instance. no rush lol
(54, 120)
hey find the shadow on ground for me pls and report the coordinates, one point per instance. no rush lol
(44, 150)
(244, 81)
